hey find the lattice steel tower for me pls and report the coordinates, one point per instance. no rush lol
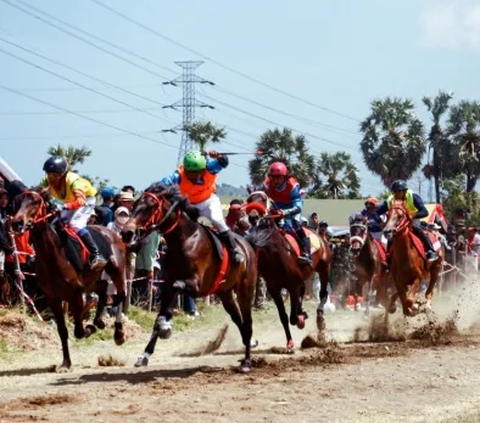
(188, 103)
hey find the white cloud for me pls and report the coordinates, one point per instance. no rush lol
(451, 24)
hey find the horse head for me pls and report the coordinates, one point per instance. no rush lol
(262, 224)
(159, 208)
(398, 220)
(31, 207)
(358, 234)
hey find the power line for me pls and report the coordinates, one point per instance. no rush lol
(77, 36)
(80, 85)
(128, 52)
(95, 111)
(99, 122)
(278, 124)
(292, 115)
(59, 63)
(218, 63)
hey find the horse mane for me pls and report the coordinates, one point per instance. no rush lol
(263, 235)
(172, 194)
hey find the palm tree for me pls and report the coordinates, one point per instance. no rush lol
(283, 146)
(393, 141)
(202, 133)
(438, 142)
(464, 128)
(73, 155)
(336, 177)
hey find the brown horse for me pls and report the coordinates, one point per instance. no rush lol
(370, 261)
(407, 261)
(59, 277)
(277, 263)
(195, 263)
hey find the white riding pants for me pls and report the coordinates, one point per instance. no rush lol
(212, 210)
(78, 219)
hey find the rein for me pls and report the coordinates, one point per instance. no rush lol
(152, 220)
(402, 227)
(41, 215)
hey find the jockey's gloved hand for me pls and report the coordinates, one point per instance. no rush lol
(57, 205)
(214, 154)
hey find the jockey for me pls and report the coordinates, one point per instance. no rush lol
(74, 198)
(370, 213)
(284, 190)
(196, 180)
(417, 210)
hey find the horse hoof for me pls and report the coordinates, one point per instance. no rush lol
(90, 330)
(320, 321)
(64, 368)
(254, 343)
(300, 321)
(165, 334)
(305, 314)
(99, 323)
(392, 310)
(142, 361)
(246, 366)
(119, 338)
(290, 344)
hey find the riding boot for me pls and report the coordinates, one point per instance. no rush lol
(305, 245)
(228, 239)
(96, 260)
(427, 243)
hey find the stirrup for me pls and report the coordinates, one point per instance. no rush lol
(97, 261)
(237, 256)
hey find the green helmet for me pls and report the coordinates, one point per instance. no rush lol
(194, 161)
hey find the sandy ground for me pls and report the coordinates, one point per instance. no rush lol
(434, 379)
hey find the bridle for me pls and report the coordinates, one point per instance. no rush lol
(402, 227)
(360, 239)
(41, 214)
(153, 222)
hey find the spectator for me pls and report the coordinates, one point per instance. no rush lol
(125, 199)
(108, 196)
(314, 221)
(122, 214)
(233, 216)
(322, 229)
(93, 219)
(129, 188)
(144, 267)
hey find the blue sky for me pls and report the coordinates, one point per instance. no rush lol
(339, 55)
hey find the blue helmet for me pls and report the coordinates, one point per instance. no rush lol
(108, 192)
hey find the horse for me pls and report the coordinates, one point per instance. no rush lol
(62, 269)
(196, 263)
(370, 262)
(407, 261)
(277, 262)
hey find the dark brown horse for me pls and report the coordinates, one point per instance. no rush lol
(370, 261)
(59, 279)
(195, 263)
(407, 261)
(277, 263)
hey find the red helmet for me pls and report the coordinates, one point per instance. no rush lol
(277, 169)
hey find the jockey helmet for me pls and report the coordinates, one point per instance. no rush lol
(277, 169)
(108, 192)
(56, 164)
(371, 200)
(194, 161)
(399, 185)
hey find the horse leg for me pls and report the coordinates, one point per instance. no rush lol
(323, 273)
(118, 278)
(392, 308)
(410, 302)
(76, 308)
(102, 301)
(434, 272)
(162, 327)
(277, 298)
(57, 310)
(242, 317)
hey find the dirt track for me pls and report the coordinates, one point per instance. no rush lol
(411, 381)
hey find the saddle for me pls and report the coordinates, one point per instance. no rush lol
(76, 251)
(222, 253)
(416, 241)
(315, 242)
